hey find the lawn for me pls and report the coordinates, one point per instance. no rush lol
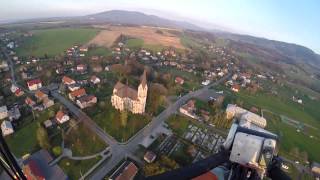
(84, 142)
(134, 43)
(290, 138)
(74, 169)
(54, 41)
(153, 47)
(109, 120)
(307, 113)
(24, 140)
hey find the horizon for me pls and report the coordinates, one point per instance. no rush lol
(273, 22)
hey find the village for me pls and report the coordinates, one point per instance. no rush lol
(125, 83)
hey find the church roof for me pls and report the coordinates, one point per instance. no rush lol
(125, 91)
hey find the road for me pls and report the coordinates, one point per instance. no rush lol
(10, 63)
(121, 150)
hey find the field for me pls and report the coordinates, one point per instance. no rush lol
(307, 113)
(134, 43)
(99, 51)
(74, 169)
(290, 139)
(54, 41)
(149, 35)
(281, 105)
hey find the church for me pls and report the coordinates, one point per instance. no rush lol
(127, 98)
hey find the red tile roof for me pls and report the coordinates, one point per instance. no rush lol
(67, 80)
(78, 93)
(236, 86)
(206, 176)
(33, 82)
(60, 115)
(128, 173)
(179, 80)
(29, 101)
(33, 171)
(39, 94)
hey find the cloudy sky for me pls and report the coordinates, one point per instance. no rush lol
(292, 21)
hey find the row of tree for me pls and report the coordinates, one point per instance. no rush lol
(163, 164)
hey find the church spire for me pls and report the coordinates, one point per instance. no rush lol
(143, 79)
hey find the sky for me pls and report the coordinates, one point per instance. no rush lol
(293, 21)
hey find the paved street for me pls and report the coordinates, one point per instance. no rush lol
(122, 150)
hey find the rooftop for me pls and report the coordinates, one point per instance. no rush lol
(123, 90)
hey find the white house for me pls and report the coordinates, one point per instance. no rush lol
(61, 117)
(95, 80)
(3, 112)
(206, 82)
(6, 128)
(34, 84)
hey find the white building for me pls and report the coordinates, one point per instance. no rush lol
(125, 97)
(61, 117)
(34, 84)
(206, 82)
(95, 80)
(245, 116)
(6, 128)
(3, 112)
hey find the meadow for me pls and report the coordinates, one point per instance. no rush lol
(52, 42)
(290, 139)
(283, 105)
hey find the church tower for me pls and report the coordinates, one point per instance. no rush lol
(143, 90)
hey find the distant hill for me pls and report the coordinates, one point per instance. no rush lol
(138, 18)
(292, 52)
(287, 52)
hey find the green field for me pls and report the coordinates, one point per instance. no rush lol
(290, 138)
(54, 41)
(134, 43)
(307, 113)
(154, 47)
(283, 105)
(74, 169)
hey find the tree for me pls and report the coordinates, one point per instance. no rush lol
(42, 137)
(156, 97)
(57, 150)
(295, 152)
(124, 118)
(304, 156)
